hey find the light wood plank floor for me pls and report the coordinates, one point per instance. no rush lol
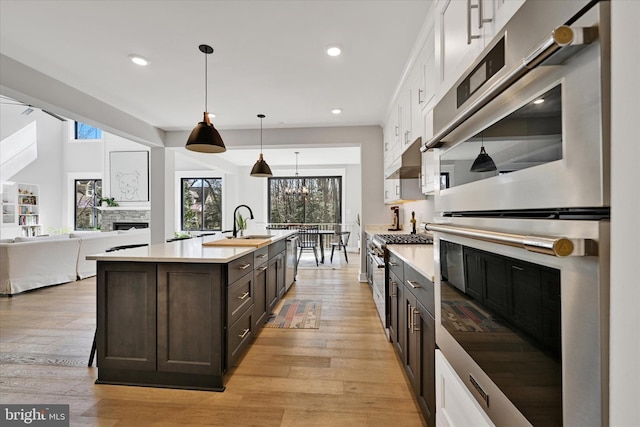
(343, 374)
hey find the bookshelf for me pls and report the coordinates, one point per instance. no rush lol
(21, 208)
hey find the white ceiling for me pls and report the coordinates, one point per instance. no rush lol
(269, 56)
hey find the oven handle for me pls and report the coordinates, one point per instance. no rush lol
(379, 264)
(566, 38)
(548, 245)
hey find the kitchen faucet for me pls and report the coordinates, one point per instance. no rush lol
(235, 227)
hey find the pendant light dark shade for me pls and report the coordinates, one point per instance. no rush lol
(483, 163)
(204, 137)
(261, 169)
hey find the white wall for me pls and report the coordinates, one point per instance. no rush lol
(47, 170)
(625, 215)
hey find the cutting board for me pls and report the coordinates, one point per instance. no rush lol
(255, 243)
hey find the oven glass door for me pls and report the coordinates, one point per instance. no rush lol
(508, 321)
(543, 141)
(528, 137)
(526, 330)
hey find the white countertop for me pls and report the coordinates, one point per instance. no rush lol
(188, 250)
(420, 257)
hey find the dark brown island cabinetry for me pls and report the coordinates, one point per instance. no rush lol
(412, 330)
(182, 325)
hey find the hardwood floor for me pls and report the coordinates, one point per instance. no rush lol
(343, 374)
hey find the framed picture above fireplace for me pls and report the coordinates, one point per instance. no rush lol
(129, 176)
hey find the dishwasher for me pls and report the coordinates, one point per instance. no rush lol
(291, 271)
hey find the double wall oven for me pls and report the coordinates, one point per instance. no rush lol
(522, 234)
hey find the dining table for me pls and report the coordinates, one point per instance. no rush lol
(321, 234)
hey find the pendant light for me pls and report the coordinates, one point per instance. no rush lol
(261, 168)
(483, 163)
(298, 189)
(204, 137)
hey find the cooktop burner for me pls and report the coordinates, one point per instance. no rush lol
(404, 239)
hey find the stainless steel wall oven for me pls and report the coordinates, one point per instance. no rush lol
(522, 311)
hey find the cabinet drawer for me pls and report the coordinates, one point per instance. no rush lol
(396, 266)
(239, 298)
(421, 287)
(239, 267)
(277, 247)
(260, 256)
(239, 337)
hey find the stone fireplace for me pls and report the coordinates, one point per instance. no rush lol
(114, 218)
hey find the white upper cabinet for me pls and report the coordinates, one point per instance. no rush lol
(404, 113)
(429, 163)
(460, 38)
(428, 72)
(462, 30)
(502, 11)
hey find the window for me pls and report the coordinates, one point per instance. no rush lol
(201, 204)
(88, 195)
(316, 200)
(85, 131)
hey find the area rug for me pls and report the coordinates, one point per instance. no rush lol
(309, 263)
(296, 314)
(462, 316)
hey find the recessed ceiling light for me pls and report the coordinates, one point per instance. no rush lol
(138, 59)
(538, 101)
(333, 50)
(336, 111)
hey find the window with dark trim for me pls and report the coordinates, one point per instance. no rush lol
(201, 204)
(88, 195)
(310, 199)
(85, 131)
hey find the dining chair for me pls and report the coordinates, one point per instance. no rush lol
(341, 240)
(308, 240)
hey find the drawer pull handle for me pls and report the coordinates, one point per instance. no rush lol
(262, 256)
(415, 327)
(264, 268)
(414, 285)
(244, 334)
(244, 267)
(410, 318)
(243, 296)
(392, 264)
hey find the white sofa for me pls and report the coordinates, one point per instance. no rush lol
(99, 242)
(33, 262)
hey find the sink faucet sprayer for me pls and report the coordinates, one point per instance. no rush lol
(235, 227)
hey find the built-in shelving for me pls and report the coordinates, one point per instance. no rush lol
(21, 207)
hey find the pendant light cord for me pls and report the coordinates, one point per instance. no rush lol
(206, 89)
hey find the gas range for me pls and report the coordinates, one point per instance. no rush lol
(402, 239)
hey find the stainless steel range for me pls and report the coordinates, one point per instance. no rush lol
(378, 267)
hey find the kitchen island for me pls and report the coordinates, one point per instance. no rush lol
(180, 314)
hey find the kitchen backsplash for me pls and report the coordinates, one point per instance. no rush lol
(424, 210)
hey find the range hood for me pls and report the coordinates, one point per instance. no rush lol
(410, 163)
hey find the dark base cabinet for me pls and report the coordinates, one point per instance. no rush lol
(160, 325)
(183, 325)
(412, 331)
